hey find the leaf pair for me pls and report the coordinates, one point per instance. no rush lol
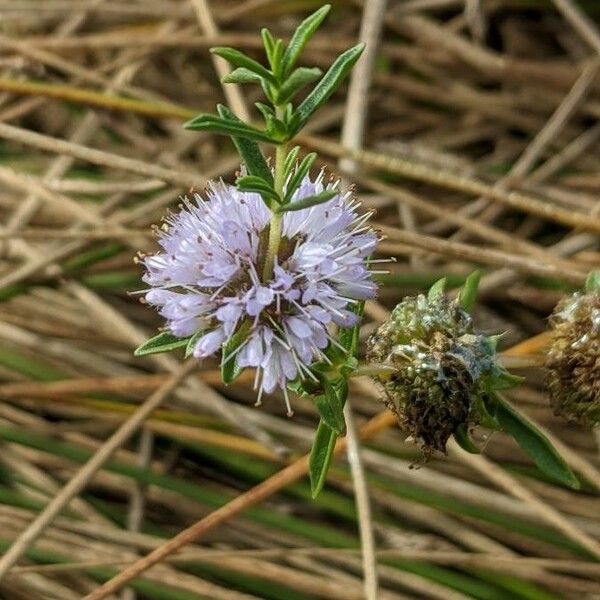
(468, 294)
(280, 60)
(284, 131)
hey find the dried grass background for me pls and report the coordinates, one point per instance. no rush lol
(480, 147)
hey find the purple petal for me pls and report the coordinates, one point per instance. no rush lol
(208, 344)
(299, 327)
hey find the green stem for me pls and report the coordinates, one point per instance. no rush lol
(276, 218)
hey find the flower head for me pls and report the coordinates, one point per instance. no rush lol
(444, 371)
(573, 362)
(208, 278)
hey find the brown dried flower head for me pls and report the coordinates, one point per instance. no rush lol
(443, 369)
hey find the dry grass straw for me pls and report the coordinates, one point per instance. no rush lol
(476, 142)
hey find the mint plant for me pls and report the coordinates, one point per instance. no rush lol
(273, 273)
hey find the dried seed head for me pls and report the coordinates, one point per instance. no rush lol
(443, 368)
(573, 361)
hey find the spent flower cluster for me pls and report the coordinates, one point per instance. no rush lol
(273, 273)
(446, 378)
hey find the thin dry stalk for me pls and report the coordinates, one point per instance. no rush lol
(180, 179)
(363, 505)
(478, 255)
(512, 486)
(85, 474)
(449, 180)
(258, 493)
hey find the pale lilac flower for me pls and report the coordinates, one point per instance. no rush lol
(208, 278)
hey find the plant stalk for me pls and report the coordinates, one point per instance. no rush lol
(276, 218)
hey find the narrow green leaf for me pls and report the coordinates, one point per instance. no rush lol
(229, 368)
(239, 59)
(331, 409)
(249, 151)
(308, 202)
(592, 282)
(437, 290)
(269, 44)
(266, 111)
(252, 183)
(163, 342)
(463, 439)
(320, 457)
(301, 36)
(269, 90)
(226, 127)
(326, 87)
(534, 443)
(277, 59)
(468, 294)
(242, 75)
(349, 336)
(296, 81)
(290, 161)
(299, 175)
